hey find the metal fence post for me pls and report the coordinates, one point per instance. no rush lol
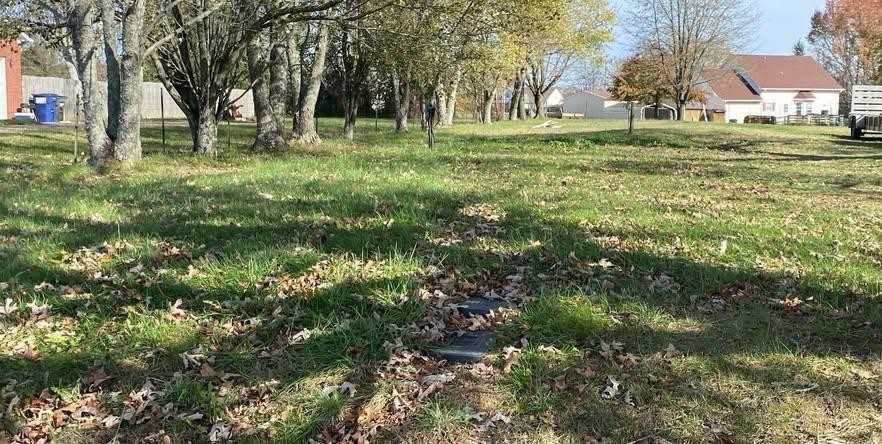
(77, 129)
(162, 115)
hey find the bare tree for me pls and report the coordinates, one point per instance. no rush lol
(544, 73)
(687, 36)
(350, 66)
(201, 46)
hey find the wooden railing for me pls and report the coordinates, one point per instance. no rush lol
(814, 120)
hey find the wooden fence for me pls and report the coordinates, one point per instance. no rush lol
(815, 120)
(150, 100)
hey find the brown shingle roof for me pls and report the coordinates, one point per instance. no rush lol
(727, 85)
(786, 72)
(804, 95)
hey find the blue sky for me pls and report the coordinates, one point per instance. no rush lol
(783, 22)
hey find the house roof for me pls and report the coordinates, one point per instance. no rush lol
(785, 72)
(603, 94)
(600, 93)
(727, 85)
(804, 95)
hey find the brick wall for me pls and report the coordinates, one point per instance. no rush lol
(10, 51)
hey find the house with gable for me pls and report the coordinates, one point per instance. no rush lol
(774, 86)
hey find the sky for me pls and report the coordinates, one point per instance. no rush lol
(783, 23)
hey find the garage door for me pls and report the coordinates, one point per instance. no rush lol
(3, 108)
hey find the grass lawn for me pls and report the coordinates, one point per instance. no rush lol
(689, 283)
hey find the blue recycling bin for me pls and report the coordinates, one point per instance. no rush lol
(46, 107)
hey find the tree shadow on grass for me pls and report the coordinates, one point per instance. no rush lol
(234, 224)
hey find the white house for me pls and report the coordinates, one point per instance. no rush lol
(595, 104)
(552, 98)
(776, 86)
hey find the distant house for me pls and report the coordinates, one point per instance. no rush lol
(775, 86)
(10, 78)
(595, 104)
(554, 97)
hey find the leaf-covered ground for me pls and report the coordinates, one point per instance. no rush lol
(690, 283)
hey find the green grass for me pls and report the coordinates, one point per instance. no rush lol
(670, 260)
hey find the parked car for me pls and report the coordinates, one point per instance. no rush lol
(557, 112)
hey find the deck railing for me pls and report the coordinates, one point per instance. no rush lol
(814, 120)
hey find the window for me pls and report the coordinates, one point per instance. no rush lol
(808, 108)
(786, 108)
(798, 108)
(768, 107)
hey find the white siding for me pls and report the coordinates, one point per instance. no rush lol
(615, 110)
(782, 103)
(786, 105)
(555, 98)
(594, 106)
(737, 111)
(591, 105)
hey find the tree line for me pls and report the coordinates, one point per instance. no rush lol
(416, 52)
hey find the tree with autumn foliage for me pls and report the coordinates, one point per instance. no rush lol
(640, 80)
(846, 38)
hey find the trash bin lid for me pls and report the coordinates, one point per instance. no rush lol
(46, 95)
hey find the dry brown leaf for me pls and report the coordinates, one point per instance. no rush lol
(96, 378)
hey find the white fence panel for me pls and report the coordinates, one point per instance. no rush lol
(866, 99)
(151, 104)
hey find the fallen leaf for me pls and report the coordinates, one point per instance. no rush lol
(8, 307)
(300, 336)
(96, 378)
(220, 431)
(612, 388)
(175, 310)
(207, 372)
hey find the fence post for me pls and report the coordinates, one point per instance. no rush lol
(162, 115)
(77, 129)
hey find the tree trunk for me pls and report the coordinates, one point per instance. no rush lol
(203, 128)
(522, 107)
(111, 60)
(516, 92)
(401, 89)
(307, 133)
(539, 101)
(450, 105)
(351, 114)
(127, 147)
(85, 46)
(267, 136)
(423, 120)
(68, 55)
(441, 101)
(630, 117)
(294, 71)
(278, 83)
(487, 106)
(681, 110)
